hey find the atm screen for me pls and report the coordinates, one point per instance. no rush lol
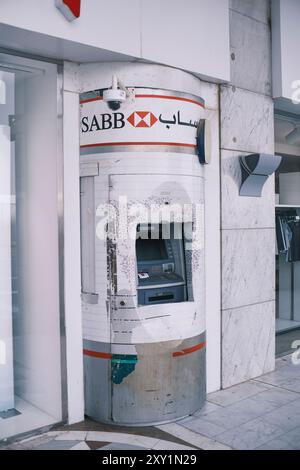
(149, 250)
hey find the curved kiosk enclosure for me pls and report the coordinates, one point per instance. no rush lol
(142, 236)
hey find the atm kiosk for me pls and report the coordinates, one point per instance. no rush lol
(160, 266)
(143, 296)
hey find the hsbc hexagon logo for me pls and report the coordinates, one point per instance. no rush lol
(69, 8)
(142, 119)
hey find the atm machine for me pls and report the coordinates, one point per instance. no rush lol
(143, 295)
(160, 266)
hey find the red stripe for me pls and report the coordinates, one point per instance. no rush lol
(174, 144)
(185, 351)
(89, 100)
(165, 97)
(169, 97)
(102, 355)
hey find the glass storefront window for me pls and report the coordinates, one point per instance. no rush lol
(288, 245)
(30, 340)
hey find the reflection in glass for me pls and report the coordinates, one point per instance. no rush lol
(30, 367)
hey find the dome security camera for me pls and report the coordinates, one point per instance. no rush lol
(114, 97)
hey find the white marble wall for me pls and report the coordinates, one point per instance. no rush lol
(248, 235)
(248, 342)
(250, 58)
(248, 266)
(247, 120)
(255, 9)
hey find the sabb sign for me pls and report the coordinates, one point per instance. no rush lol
(153, 118)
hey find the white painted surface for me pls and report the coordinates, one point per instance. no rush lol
(72, 258)
(88, 77)
(213, 255)
(110, 25)
(190, 35)
(177, 320)
(6, 333)
(141, 324)
(285, 41)
(187, 35)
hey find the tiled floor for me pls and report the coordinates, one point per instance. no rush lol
(258, 414)
(28, 417)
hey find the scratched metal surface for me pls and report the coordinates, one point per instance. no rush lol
(161, 387)
(97, 383)
(149, 387)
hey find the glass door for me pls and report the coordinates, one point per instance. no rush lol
(30, 344)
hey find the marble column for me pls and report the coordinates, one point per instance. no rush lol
(247, 223)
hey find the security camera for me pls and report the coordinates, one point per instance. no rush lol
(117, 94)
(114, 97)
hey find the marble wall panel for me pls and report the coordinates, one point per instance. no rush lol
(248, 342)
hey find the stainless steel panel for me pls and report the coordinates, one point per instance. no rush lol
(137, 148)
(97, 383)
(160, 387)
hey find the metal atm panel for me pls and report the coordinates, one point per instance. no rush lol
(160, 264)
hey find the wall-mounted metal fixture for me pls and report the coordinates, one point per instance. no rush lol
(256, 168)
(204, 141)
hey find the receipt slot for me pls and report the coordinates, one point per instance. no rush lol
(143, 295)
(160, 265)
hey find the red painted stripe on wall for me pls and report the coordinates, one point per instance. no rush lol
(101, 355)
(173, 144)
(185, 351)
(164, 97)
(89, 100)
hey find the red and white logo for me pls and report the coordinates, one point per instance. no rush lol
(142, 119)
(69, 8)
